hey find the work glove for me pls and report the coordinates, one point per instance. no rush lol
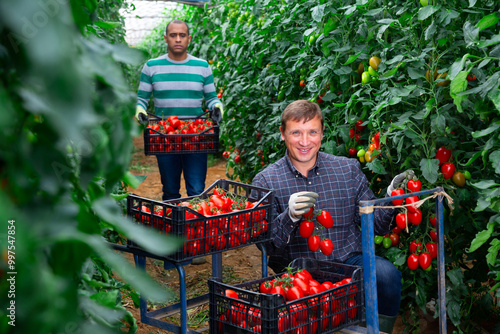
(398, 179)
(217, 112)
(141, 115)
(300, 203)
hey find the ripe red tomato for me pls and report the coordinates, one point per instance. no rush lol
(443, 155)
(279, 290)
(397, 192)
(351, 133)
(411, 200)
(353, 152)
(416, 217)
(414, 186)
(424, 259)
(433, 234)
(308, 215)
(448, 169)
(432, 249)
(237, 158)
(397, 230)
(303, 275)
(326, 246)
(471, 77)
(306, 228)
(313, 243)
(413, 261)
(433, 220)
(231, 294)
(325, 219)
(394, 239)
(359, 126)
(401, 220)
(302, 83)
(415, 247)
(302, 285)
(294, 293)
(357, 138)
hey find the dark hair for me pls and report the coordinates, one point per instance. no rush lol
(177, 22)
(301, 110)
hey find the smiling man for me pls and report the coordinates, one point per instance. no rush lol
(306, 177)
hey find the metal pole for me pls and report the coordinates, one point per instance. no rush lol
(368, 240)
(440, 261)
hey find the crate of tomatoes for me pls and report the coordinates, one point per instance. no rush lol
(226, 215)
(311, 297)
(181, 134)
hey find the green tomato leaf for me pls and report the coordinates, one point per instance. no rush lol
(487, 131)
(351, 59)
(491, 257)
(495, 161)
(481, 238)
(458, 85)
(427, 11)
(487, 21)
(430, 31)
(485, 184)
(376, 167)
(430, 169)
(471, 34)
(318, 12)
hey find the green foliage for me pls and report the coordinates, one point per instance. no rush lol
(67, 126)
(437, 85)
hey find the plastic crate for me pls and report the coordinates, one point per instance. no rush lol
(232, 230)
(156, 143)
(325, 312)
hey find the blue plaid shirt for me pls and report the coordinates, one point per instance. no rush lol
(340, 185)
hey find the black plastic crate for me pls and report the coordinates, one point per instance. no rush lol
(207, 234)
(156, 143)
(256, 312)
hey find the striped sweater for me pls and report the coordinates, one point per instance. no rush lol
(178, 87)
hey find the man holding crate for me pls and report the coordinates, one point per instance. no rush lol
(304, 178)
(179, 83)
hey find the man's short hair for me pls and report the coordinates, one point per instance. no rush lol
(301, 110)
(177, 22)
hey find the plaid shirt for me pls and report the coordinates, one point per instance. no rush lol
(340, 185)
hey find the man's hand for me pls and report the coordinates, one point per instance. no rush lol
(398, 179)
(300, 203)
(217, 113)
(141, 115)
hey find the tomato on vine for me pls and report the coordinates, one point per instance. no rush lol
(313, 243)
(326, 246)
(306, 228)
(325, 219)
(412, 262)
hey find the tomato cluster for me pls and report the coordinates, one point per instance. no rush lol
(176, 135)
(314, 234)
(419, 257)
(221, 221)
(448, 169)
(310, 305)
(373, 149)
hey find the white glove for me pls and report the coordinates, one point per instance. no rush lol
(217, 112)
(141, 115)
(300, 203)
(398, 179)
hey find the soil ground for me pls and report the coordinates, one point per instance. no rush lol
(240, 265)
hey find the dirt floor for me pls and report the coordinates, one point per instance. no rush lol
(240, 265)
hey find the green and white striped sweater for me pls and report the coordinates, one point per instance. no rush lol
(178, 87)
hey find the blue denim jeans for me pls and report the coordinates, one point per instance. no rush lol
(194, 167)
(388, 284)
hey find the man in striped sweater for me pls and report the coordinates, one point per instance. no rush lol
(179, 82)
